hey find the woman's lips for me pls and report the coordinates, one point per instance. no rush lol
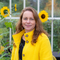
(28, 25)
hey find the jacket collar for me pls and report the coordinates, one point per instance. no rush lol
(28, 36)
(17, 37)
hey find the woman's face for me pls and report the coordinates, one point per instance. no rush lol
(28, 21)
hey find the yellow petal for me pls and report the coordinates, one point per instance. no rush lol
(1, 49)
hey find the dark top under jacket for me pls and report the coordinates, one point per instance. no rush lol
(21, 48)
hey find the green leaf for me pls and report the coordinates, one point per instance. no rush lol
(8, 24)
(1, 30)
(1, 5)
(8, 47)
(1, 36)
(3, 55)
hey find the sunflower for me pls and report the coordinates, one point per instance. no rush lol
(5, 11)
(15, 7)
(0, 10)
(1, 49)
(43, 15)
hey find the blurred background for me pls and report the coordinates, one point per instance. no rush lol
(7, 24)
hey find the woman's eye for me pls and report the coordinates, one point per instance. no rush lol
(31, 19)
(25, 18)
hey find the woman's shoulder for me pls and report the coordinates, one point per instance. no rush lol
(43, 37)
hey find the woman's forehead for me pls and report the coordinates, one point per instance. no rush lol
(28, 13)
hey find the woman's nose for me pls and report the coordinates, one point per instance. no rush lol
(28, 21)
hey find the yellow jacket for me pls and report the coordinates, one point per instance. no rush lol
(41, 50)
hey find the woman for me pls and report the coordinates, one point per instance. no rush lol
(30, 40)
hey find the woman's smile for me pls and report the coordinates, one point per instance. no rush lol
(28, 25)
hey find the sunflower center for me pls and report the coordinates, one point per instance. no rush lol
(5, 12)
(43, 16)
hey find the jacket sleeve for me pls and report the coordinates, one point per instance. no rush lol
(45, 49)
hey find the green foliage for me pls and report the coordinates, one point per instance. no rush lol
(8, 24)
(56, 33)
(59, 51)
(4, 36)
(1, 5)
(43, 4)
(5, 56)
(3, 32)
(56, 37)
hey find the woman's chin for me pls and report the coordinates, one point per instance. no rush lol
(28, 29)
